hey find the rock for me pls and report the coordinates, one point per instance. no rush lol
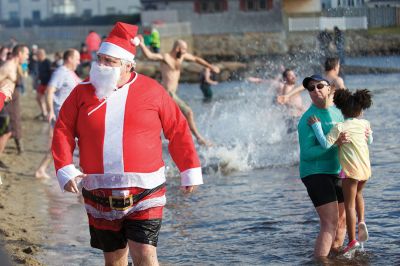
(28, 250)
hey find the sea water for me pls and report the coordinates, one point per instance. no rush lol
(253, 209)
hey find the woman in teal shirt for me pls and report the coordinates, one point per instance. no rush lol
(319, 168)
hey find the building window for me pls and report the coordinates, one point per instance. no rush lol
(205, 6)
(256, 5)
(87, 13)
(111, 10)
(36, 15)
(14, 15)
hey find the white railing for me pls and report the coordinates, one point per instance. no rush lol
(321, 23)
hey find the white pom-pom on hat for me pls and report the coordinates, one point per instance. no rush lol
(135, 41)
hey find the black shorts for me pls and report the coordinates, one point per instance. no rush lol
(140, 231)
(323, 188)
(4, 125)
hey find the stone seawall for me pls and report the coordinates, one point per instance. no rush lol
(222, 46)
(358, 43)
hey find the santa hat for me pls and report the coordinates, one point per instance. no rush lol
(121, 42)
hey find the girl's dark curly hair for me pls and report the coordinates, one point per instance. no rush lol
(352, 104)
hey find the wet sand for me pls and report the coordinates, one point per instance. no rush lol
(20, 193)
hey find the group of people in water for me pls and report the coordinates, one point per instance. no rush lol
(333, 139)
(334, 168)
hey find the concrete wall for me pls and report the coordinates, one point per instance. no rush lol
(321, 23)
(166, 16)
(239, 45)
(52, 38)
(231, 21)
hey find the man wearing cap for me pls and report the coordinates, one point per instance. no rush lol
(171, 65)
(319, 168)
(117, 116)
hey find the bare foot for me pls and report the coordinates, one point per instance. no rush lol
(203, 142)
(41, 174)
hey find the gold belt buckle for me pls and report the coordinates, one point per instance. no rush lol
(130, 197)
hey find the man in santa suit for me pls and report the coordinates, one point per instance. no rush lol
(118, 115)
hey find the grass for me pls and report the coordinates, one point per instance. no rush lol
(386, 30)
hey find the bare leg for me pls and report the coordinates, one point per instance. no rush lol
(41, 171)
(192, 125)
(328, 216)
(143, 254)
(3, 141)
(116, 258)
(349, 193)
(43, 106)
(41, 103)
(360, 202)
(341, 230)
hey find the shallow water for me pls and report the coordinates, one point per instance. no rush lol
(375, 61)
(252, 209)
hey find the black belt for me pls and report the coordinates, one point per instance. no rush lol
(117, 202)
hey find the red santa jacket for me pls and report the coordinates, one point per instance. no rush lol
(119, 138)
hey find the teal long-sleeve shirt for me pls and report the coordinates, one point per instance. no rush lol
(314, 159)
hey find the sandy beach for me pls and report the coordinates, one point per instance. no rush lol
(20, 194)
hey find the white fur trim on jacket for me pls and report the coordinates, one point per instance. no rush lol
(118, 180)
(67, 173)
(192, 177)
(113, 50)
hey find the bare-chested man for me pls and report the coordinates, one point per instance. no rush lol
(8, 71)
(170, 66)
(294, 102)
(332, 68)
(8, 79)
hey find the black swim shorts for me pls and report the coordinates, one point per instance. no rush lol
(4, 125)
(140, 231)
(323, 188)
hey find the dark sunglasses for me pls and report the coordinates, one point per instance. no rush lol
(319, 86)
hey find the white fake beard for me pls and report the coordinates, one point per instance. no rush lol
(104, 79)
